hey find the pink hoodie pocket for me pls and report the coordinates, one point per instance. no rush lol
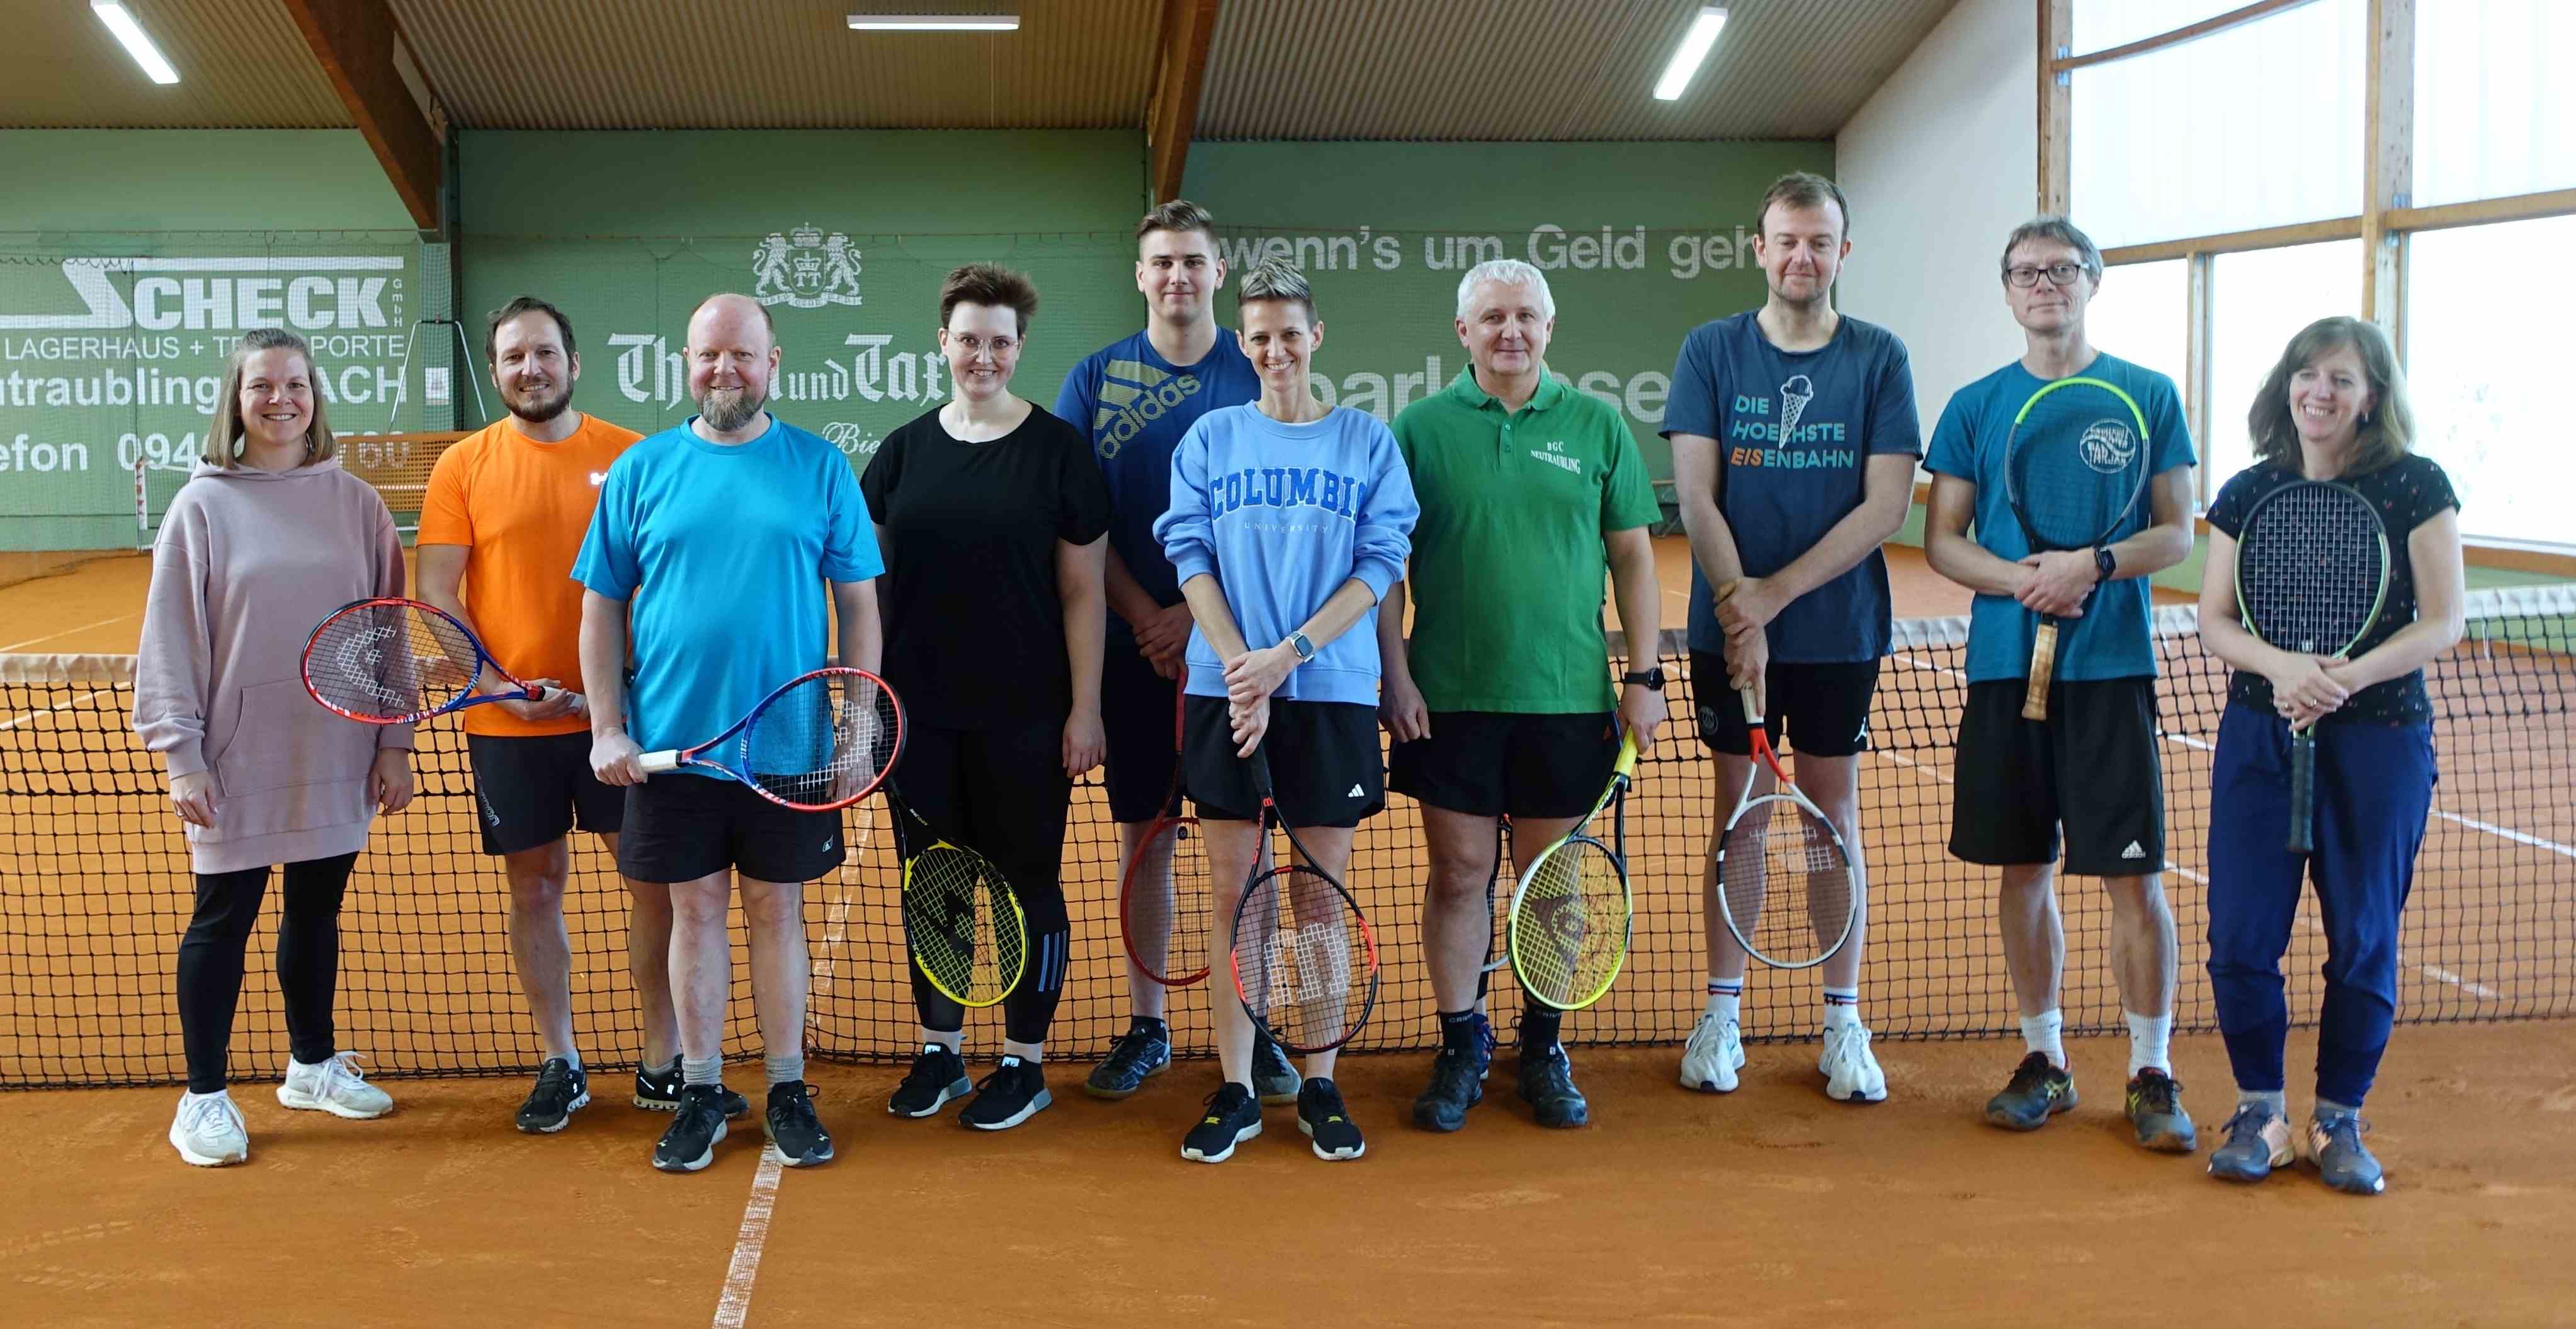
(284, 739)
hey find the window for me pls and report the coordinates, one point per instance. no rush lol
(2493, 104)
(2259, 125)
(2143, 315)
(2103, 24)
(2483, 370)
(2258, 301)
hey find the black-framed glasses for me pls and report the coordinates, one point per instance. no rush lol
(2059, 274)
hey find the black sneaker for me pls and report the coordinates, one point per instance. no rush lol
(1457, 1082)
(1547, 1085)
(937, 1075)
(1231, 1118)
(796, 1135)
(562, 1089)
(661, 1093)
(1013, 1093)
(1136, 1056)
(1325, 1121)
(690, 1143)
(2039, 1090)
(1274, 1081)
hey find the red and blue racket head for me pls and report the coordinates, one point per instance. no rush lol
(819, 741)
(389, 660)
(2312, 565)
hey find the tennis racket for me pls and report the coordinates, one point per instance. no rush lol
(1572, 911)
(1163, 897)
(1785, 880)
(1498, 899)
(819, 741)
(1304, 960)
(2073, 469)
(389, 660)
(2311, 576)
(961, 918)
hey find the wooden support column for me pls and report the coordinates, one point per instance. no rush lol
(2389, 167)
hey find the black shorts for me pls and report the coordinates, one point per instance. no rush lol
(2091, 765)
(531, 791)
(1136, 716)
(1823, 708)
(681, 827)
(1325, 766)
(1491, 764)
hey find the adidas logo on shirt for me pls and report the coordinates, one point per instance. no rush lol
(2133, 851)
(1132, 394)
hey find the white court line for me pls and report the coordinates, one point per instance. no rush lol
(2500, 832)
(16, 720)
(1914, 662)
(735, 1304)
(836, 916)
(22, 645)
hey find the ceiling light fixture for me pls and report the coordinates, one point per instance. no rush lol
(131, 34)
(1691, 54)
(935, 22)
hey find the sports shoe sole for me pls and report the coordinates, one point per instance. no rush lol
(1709, 1086)
(195, 1159)
(1995, 1117)
(580, 1101)
(304, 1102)
(787, 1159)
(2168, 1140)
(2228, 1172)
(1113, 1095)
(1320, 1152)
(956, 1089)
(1036, 1105)
(736, 1106)
(693, 1164)
(1227, 1152)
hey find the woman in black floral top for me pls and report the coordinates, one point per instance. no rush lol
(2334, 408)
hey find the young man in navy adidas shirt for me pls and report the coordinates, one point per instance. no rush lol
(1134, 399)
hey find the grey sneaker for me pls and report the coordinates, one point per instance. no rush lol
(1274, 1081)
(2258, 1140)
(2343, 1161)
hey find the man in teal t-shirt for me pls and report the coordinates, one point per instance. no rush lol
(2092, 764)
(728, 528)
(1502, 704)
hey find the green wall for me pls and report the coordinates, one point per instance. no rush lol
(79, 180)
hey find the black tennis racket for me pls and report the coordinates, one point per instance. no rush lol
(2312, 570)
(819, 741)
(1304, 959)
(388, 660)
(2074, 467)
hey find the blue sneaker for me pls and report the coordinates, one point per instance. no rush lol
(2154, 1109)
(2257, 1142)
(1274, 1081)
(2039, 1090)
(1136, 1056)
(2343, 1161)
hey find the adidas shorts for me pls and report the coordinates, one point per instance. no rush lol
(2091, 766)
(1326, 768)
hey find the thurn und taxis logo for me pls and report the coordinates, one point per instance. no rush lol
(804, 270)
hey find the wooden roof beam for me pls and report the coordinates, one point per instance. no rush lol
(1179, 74)
(355, 42)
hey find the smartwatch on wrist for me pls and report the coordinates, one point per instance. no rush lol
(2105, 566)
(1305, 649)
(1651, 679)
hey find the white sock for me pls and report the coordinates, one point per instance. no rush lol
(2039, 1033)
(1031, 1053)
(946, 1038)
(2149, 1037)
(1842, 1008)
(1725, 998)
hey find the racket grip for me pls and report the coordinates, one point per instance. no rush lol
(2043, 668)
(657, 763)
(2303, 791)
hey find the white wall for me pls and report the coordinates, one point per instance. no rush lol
(1940, 164)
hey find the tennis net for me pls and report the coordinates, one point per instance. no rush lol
(95, 892)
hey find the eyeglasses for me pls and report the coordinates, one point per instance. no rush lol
(972, 344)
(2059, 274)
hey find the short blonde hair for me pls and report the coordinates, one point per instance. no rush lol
(1276, 279)
(224, 433)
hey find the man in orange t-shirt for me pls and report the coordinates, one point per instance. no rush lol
(500, 526)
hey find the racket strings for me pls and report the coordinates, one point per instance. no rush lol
(960, 930)
(1165, 898)
(2310, 568)
(1571, 933)
(822, 740)
(2075, 465)
(1303, 959)
(1787, 883)
(391, 661)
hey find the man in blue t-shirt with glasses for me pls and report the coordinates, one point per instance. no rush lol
(1794, 440)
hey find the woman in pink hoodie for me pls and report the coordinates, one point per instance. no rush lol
(268, 536)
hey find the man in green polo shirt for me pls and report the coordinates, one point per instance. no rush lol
(1503, 703)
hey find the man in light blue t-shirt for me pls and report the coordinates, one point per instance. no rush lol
(2092, 764)
(729, 527)
(1794, 441)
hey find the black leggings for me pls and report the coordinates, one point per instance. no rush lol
(308, 961)
(1005, 795)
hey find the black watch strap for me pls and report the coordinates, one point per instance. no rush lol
(1651, 678)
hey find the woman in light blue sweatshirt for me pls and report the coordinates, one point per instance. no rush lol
(1289, 519)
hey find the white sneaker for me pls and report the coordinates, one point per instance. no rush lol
(208, 1131)
(1851, 1073)
(1713, 1055)
(334, 1086)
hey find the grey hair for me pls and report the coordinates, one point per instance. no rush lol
(2051, 226)
(1505, 272)
(1276, 279)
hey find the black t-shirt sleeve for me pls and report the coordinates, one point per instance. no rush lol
(2418, 491)
(2228, 511)
(885, 471)
(1083, 514)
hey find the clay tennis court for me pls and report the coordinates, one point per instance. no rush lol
(1770, 1205)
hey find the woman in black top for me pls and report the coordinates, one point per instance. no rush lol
(2334, 408)
(990, 513)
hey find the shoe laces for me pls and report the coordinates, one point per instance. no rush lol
(197, 1114)
(340, 1068)
(1229, 1097)
(1322, 1099)
(2343, 1128)
(2157, 1093)
(926, 1068)
(556, 1074)
(1011, 1066)
(1131, 1045)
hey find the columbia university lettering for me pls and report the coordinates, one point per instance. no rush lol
(1286, 487)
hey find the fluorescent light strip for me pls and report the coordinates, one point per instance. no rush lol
(136, 43)
(1691, 54)
(935, 22)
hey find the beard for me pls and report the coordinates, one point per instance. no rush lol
(728, 409)
(539, 406)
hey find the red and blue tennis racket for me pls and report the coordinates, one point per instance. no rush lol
(389, 660)
(820, 741)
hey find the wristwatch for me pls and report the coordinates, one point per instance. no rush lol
(1305, 649)
(2105, 566)
(1653, 678)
